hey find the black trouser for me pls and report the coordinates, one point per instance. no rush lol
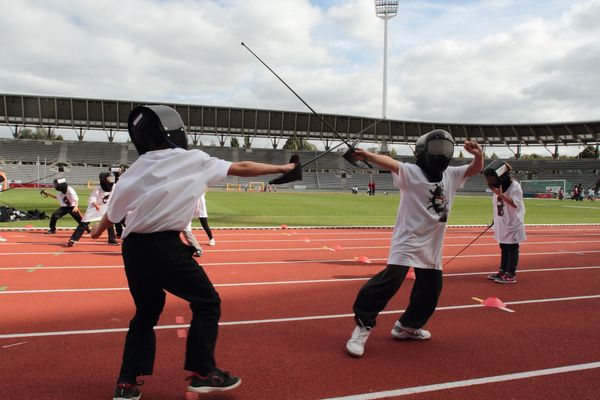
(84, 225)
(119, 228)
(204, 222)
(159, 262)
(509, 258)
(61, 212)
(375, 294)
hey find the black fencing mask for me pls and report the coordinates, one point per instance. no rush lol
(61, 185)
(434, 150)
(107, 181)
(156, 127)
(497, 174)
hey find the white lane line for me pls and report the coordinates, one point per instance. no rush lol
(13, 345)
(250, 250)
(280, 320)
(469, 382)
(298, 282)
(284, 262)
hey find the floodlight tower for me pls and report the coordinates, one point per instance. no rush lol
(385, 9)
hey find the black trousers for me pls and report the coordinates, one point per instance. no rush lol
(509, 258)
(159, 262)
(61, 212)
(204, 223)
(78, 232)
(377, 292)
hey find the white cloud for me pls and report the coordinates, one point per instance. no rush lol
(451, 61)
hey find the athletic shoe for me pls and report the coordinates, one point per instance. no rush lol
(114, 243)
(212, 242)
(356, 344)
(50, 232)
(198, 253)
(71, 243)
(216, 381)
(495, 276)
(127, 391)
(403, 332)
(506, 279)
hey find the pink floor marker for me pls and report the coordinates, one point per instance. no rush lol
(305, 239)
(337, 247)
(283, 226)
(493, 302)
(179, 320)
(363, 259)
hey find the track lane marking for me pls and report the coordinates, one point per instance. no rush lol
(468, 382)
(295, 282)
(282, 320)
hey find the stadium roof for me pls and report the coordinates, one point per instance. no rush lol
(83, 114)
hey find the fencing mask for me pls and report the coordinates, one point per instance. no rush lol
(156, 127)
(434, 150)
(107, 181)
(497, 174)
(61, 185)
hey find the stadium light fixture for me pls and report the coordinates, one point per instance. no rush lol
(385, 9)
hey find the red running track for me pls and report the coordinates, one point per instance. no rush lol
(287, 300)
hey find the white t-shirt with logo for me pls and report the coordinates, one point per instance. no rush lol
(422, 215)
(510, 226)
(68, 199)
(100, 198)
(161, 189)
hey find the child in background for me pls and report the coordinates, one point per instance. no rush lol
(97, 203)
(159, 194)
(67, 200)
(509, 218)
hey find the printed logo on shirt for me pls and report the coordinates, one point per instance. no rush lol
(500, 207)
(105, 198)
(438, 202)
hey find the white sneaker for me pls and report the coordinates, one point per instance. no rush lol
(212, 242)
(402, 332)
(356, 344)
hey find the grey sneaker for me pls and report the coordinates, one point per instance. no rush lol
(356, 344)
(403, 332)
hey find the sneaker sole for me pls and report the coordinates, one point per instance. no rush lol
(128, 398)
(211, 389)
(353, 354)
(397, 336)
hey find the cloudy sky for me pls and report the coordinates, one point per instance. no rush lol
(489, 61)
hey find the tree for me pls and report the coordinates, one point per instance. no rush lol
(296, 143)
(234, 142)
(494, 156)
(460, 154)
(39, 134)
(393, 153)
(588, 152)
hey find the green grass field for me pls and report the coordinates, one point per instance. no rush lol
(324, 209)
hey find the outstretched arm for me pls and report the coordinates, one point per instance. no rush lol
(251, 168)
(100, 227)
(476, 165)
(383, 161)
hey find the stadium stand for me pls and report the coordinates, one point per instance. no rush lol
(18, 158)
